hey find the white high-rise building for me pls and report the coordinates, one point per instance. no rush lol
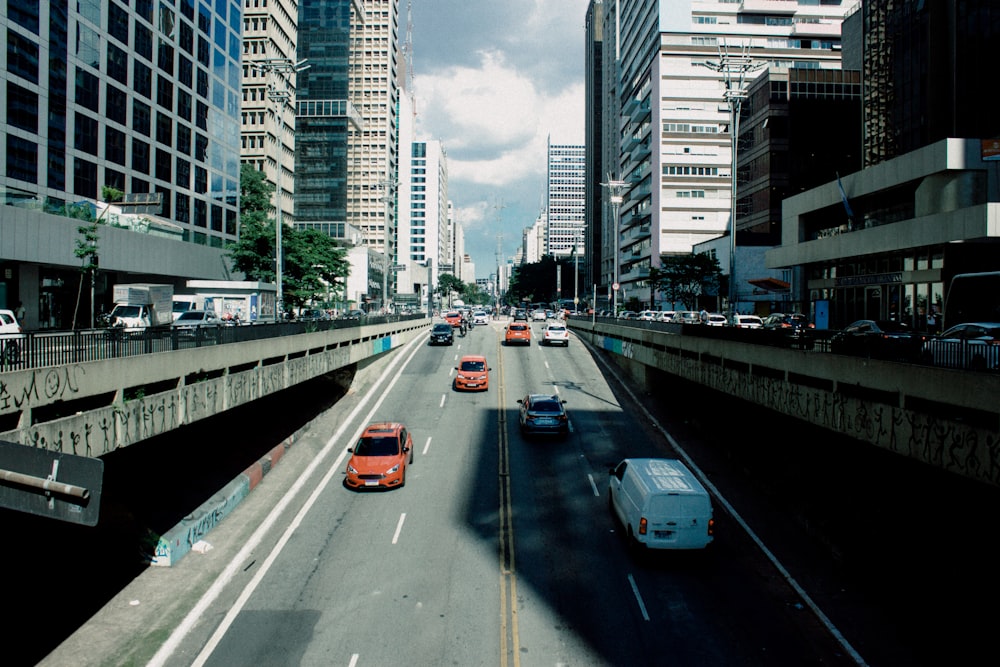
(268, 110)
(667, 120)
(372, 150)
(565, 196)
(423, 219)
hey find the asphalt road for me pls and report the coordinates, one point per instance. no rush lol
(500, 550)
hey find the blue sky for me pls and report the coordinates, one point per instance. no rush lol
(493, 81)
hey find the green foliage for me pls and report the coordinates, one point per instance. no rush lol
(311, 261)
(534, 282)
(448, 283)
(683, 278)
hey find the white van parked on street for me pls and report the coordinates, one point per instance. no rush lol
(660, 504)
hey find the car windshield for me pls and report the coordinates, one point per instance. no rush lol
(382, 445)
(473, 365)
(191, 315)
(126, 311)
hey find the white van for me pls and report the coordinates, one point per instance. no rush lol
(661, 504)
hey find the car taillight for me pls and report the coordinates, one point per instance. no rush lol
(643, 526)
(711, 526)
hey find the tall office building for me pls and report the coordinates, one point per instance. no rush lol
(565, 199)
(267, 138)
(667, 113)
(373, 148)
(140, 96)
(325, 117)
(593, 127)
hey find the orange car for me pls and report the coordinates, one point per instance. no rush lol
(454, 318)
(518, 333)
(380, 457)
(473, 373)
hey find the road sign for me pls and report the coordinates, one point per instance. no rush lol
(615, 286)
(60, 486)
(398, 267)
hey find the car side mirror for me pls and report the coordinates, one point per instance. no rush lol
(350, 450)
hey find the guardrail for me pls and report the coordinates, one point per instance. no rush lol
(40, 349)
(967, 355)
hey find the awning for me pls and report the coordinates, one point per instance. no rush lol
(770, 284)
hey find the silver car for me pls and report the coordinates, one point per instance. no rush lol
(972, 345)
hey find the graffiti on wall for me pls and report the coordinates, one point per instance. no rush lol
(24, 390)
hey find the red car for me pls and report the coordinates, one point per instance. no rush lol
(380, 457)
(473, 374)
(454, 318)
(518, 333)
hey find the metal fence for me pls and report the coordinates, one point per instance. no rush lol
(39, 349)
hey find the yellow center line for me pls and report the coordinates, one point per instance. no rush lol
(509, 643)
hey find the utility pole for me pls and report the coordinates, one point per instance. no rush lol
(616, 191)
(388, 189)
(499, 206)
(735, 69)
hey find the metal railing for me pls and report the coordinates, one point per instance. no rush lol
(40, 349)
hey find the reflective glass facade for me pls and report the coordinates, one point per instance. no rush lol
(140, 96)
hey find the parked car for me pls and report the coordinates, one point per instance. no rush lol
(627, 315)
(716, 320)
(480, 317)
(11, 338)
(194, 321)
(473, 374)
(748, 322)
(518, 333)
(972, 345)
(442, 334)
(556, 333)
(878, 339)
(790, 329)
(543, 414)
(380, 457)
(647, 316)
(686, 317)
(454, 318)
(665, 316)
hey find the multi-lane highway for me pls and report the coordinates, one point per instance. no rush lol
(500, 550)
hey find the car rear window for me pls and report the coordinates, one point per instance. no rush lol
(546, 406)
(518, 327)
(377, 446)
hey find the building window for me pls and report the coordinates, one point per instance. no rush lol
(85, 134)
(84, 178)
(22, 108)
(142, 80)
(118, 22)
(25, 13)
(164, 129)
(140, 156)
(22, 159)
(114, 145)
(87, 90)
(143, 41)
(163, 165)
(22, 55)
(141, 118)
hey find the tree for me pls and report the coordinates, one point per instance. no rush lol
(313, 264)
(448, 283)
(534, 282)
(86, 247)
(684, 278)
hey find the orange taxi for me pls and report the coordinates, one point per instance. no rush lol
(518, 333)
(473, 374)
(380, 457)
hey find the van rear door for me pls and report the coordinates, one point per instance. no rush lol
(679, 521)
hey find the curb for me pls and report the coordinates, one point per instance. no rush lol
(177, 542)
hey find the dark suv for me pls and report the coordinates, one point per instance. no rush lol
(790, 330)
(441, 334)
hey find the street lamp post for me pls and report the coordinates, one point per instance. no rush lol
(734, 69)
(616, 190)
(279, 92)
(388, 186)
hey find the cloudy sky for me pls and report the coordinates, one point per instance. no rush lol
(494, 80)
